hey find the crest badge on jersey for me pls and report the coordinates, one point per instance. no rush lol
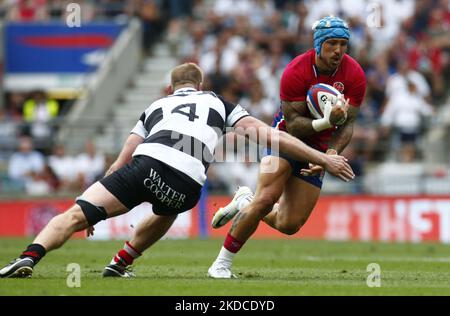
(339, 86)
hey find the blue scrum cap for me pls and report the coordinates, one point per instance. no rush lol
(329, 27)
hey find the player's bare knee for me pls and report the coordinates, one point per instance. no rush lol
(289, 229)
(292, 227)
(267, 160)
(269, 164)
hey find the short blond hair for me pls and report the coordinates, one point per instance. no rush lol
(188, 73)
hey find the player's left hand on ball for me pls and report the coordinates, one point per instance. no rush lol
(312, 171)
(90, 231)
(343, 103)
(340, 111)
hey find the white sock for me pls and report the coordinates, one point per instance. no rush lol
(226, 257)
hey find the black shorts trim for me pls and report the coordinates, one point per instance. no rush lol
(146, 179)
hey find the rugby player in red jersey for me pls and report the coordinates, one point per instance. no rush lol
(284, 199)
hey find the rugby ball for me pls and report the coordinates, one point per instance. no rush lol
(318, 95)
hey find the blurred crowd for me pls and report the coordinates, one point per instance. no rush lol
(244, 45)
(30, 158)
(403, 45)
(38, 175)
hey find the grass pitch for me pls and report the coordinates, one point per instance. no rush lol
(265, 268)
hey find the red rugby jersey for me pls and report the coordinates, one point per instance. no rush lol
(301, 74)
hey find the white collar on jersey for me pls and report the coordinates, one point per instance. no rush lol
(184, 90)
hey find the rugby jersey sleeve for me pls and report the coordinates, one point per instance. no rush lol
(358, 87)
(234, 113)
(140, 129)
(293, 87)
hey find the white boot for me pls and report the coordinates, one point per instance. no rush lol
(221, 270)
(242, 198)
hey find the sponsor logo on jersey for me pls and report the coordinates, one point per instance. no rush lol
(163, 192)
(339, 86)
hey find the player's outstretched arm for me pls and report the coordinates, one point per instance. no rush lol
(261, 133)
(126, 154)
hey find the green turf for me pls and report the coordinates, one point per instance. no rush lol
(282, 268)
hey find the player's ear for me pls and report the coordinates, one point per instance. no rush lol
(169, 89)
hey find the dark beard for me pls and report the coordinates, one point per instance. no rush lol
(328, 71)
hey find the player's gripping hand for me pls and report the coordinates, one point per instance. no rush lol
(332, 115)
(339, 112)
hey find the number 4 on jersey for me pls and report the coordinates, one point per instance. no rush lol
(191, 114)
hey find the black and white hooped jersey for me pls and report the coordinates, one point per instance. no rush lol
(183, 130)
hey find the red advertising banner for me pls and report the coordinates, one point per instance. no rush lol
(390, 219)
(28, 218)
(359, 218)
(122, 227)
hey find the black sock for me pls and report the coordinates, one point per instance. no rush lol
(35, 252)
